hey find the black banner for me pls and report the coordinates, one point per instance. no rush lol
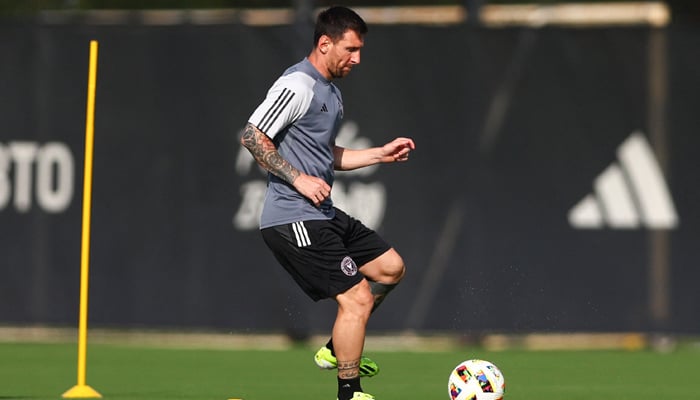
(553, 187)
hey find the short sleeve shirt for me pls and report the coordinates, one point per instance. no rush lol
(301, 113)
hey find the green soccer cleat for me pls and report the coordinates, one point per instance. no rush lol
(362, 396)
(325, 360)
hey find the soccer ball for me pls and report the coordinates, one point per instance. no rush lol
(476, 380)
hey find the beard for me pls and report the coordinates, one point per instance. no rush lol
(341, 72)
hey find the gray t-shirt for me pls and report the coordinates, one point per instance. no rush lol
(301, 113)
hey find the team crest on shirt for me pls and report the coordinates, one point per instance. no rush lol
(348, 266)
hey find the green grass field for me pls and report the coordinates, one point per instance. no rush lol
(45, 371)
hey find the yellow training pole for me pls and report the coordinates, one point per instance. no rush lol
(82, 390)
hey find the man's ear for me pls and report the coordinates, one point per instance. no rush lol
(324, 43)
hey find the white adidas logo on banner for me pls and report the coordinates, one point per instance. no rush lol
(629, 195)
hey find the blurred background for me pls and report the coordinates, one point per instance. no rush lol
(553, 189)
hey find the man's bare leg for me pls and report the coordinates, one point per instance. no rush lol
(354, 307)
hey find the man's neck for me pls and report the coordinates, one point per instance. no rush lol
(316, 61)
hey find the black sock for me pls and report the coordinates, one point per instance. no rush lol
(346, 387)
(330, 346)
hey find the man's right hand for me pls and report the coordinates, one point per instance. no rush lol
(313, 188)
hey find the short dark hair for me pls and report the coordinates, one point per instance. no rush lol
(335, 21)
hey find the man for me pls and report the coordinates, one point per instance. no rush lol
(328, 253)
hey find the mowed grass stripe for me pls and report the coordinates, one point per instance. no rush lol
(45, 371)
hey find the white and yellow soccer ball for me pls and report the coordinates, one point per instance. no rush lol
(476, 380)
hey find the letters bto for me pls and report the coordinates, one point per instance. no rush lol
(34, 171)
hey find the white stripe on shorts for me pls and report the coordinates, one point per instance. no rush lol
(301, 234)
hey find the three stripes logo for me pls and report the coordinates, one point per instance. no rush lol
(301, 234)
(273, 112)
(628, 195)
(324, 108)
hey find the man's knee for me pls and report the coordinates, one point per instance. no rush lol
(388, 268)
(394, 268)
(358, 299)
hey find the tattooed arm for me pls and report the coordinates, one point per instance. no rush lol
(267, 156)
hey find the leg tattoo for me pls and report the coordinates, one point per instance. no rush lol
(348, 369)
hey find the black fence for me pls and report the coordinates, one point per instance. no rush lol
(554, 187)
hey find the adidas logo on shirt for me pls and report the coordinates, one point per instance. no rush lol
(324, 108)
(629, 195)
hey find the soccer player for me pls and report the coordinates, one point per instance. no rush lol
(329, 254)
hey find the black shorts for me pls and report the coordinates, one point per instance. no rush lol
(323, 256)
